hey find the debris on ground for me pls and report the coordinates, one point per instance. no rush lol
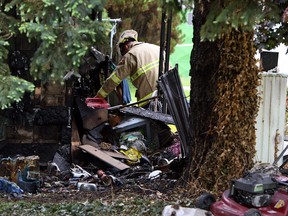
(112, 151)
(10, 188)
(130, 163)
(177, 210)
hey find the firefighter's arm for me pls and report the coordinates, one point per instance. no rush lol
(121, 72)
(109, 85)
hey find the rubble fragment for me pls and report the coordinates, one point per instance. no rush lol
(9, 187)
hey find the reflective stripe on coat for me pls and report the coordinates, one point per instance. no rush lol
(141, 63)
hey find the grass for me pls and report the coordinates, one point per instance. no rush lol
(181, 54)
(132, 205)
(117, 207)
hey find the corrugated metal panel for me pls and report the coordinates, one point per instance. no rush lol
(270, 122)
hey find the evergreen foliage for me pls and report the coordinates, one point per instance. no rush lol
(12, 88)
(263, 16)
(272, 32)
(64, 31)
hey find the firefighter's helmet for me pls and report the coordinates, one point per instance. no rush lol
(126, 35)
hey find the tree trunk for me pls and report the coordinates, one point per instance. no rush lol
(205, 60)
(223, 106)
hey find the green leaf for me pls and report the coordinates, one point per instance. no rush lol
(11, 94)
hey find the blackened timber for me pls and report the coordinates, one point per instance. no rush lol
(166, 118)
(172, 89)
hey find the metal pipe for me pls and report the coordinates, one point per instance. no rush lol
(168, 39)
(131, 104)
(162, 42)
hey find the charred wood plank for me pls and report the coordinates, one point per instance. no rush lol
(166, 118)
(172, 89)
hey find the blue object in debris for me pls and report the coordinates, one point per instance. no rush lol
(126, 96)
(9, 187)
(126, 92)
(27, 185)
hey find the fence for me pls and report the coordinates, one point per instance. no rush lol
(270, 122)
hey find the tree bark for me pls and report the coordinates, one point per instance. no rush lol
(205, 60)
(223, 106)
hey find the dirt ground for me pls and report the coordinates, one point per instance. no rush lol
(132, 199)
(59, 192)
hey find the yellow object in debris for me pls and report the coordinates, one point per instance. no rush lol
(173, 128)
(132, 154)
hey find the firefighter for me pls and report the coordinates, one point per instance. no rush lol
(140, 61)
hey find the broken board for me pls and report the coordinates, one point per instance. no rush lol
(119, 155)
(75, 142)
(166, 118)
(116, 154)
(104, 157)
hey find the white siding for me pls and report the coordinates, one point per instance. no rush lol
(271, 116)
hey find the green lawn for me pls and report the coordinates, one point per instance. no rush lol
(181, 55)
